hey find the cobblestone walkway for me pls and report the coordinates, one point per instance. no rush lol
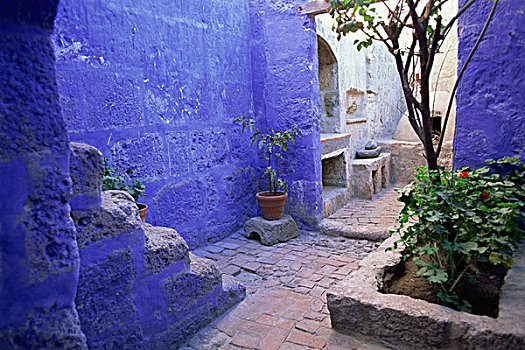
(286, 284)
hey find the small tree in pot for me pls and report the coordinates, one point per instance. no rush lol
(273, 143)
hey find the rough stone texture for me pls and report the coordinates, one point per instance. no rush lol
(357, 307)
(406, 156)
(131, 86)
(271, 231)
(333, 142)
(87, 167)
(139, 286)
(368, 153)
(93, 224)
(334, 198)
(335, 170)
(491, 120)
(163, 247)
(369, 176)
(39, 258)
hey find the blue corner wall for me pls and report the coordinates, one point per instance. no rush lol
(286, 93)
(491, 118)
(39, 259)
(156, 85)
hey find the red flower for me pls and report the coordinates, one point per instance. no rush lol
(464, 175)
(484, 195)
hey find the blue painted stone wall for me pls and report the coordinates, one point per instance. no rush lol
(491, 118)
(39, 258)
(155, 85)
(286, 93)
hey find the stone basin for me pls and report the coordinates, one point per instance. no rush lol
(358, 308)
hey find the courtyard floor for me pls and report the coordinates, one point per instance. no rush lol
(286, 284)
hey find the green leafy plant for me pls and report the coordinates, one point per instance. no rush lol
(273, 143)
(112, 181)
(465, 217)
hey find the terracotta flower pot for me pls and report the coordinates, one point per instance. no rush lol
(272, 206)
(143, 208)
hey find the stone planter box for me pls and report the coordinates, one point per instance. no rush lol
(359, 309)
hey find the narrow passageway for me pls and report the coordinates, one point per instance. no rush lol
(285, 307)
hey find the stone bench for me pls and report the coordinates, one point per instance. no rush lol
(369, 176)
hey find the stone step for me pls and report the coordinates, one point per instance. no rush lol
(164, 247)
(356, 231)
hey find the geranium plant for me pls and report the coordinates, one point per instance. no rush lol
(273, 143)
(466, 217)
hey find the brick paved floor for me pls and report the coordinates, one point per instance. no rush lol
(365, 219)
(286, 284)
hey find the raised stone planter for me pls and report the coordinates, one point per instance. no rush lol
(271, 232)
(358, 308)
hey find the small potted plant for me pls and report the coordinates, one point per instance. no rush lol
(132, 185)
(272, 142)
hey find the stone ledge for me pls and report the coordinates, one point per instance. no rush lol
(357, 231)
(358, 308)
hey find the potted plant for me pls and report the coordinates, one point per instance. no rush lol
(272, 142)
(133, 186)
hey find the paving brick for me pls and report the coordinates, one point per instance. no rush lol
(308, 325)
(296, 317)
(213, 249)
(229, 245)
(299, 337)
(245, 340)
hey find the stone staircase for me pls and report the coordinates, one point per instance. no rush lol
(139, 286)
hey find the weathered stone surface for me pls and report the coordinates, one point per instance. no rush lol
(370, 145)
(491, 123)
(334, 142)
(86, 168)
(334, 198)
(142, 157)
(272, 232)
(118, 215)
(39, 256)
(164, 246)
(357, 307)
(369, 176)
(356, 231)
(406, 156)
(368, 153)
(105, 301)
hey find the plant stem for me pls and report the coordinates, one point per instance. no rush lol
(459, 278)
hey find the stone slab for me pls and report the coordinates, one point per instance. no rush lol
(357, 307)
(356, 231)
(271, 232)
